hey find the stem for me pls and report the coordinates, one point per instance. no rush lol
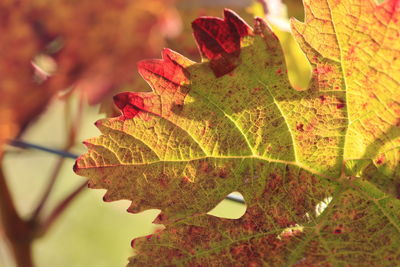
(22, 253)
(265, 6)
(17, 231)
(73, 130)
(75, 124)
(48, 190)
(61, 207)
(26, 145)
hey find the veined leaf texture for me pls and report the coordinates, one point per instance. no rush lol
(233, 123)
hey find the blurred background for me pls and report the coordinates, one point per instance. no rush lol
(61, 63)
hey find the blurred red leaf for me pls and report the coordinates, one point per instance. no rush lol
(92, 46)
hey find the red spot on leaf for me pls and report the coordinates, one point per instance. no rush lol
(195, 230)
(322, 69)
(356, 214)
(282, 219)
(253, 264)
(322, 98)
(106, 181)
(392, 7)
(219, 40)
(351, 53)
(352, 50)
(380, 159)
(341, 104)
(163, 181)
(278, 71)
(203, 131)
(338, 230)
(249, 226)
(300, 127)
(204, 166)
(223, 173)
(274, 182)
(337, 2)
(235, 251)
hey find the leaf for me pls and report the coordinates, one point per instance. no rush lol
(318, 168)
(275, 13)
(80, 39)
(22, 98)
(190, 10)
(101, 41)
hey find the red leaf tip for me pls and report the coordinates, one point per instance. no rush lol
(130, 104)
(219, 40)
(170, 67)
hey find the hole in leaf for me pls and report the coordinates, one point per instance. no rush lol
(230, 208)
(338, 231)
(291, 231)
(321, 206)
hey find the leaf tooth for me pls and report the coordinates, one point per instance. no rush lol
(94, 185)
(134, 208)
(161, 218)
(219, 40)
(170, 70)
(109, 196)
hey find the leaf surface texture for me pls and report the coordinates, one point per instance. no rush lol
(234, 123)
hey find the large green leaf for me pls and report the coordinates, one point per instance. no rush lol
(318, 168)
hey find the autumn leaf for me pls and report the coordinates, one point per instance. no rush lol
(190, 10)
(318, 168)
(102, 40)
(22, 95)
(275, 13)
(91, 46)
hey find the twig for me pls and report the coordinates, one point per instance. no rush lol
(49, 188)
(73, 127)
(26, 145)
(17, 231)
(59, 209)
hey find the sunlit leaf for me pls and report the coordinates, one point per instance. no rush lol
(318, 168)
